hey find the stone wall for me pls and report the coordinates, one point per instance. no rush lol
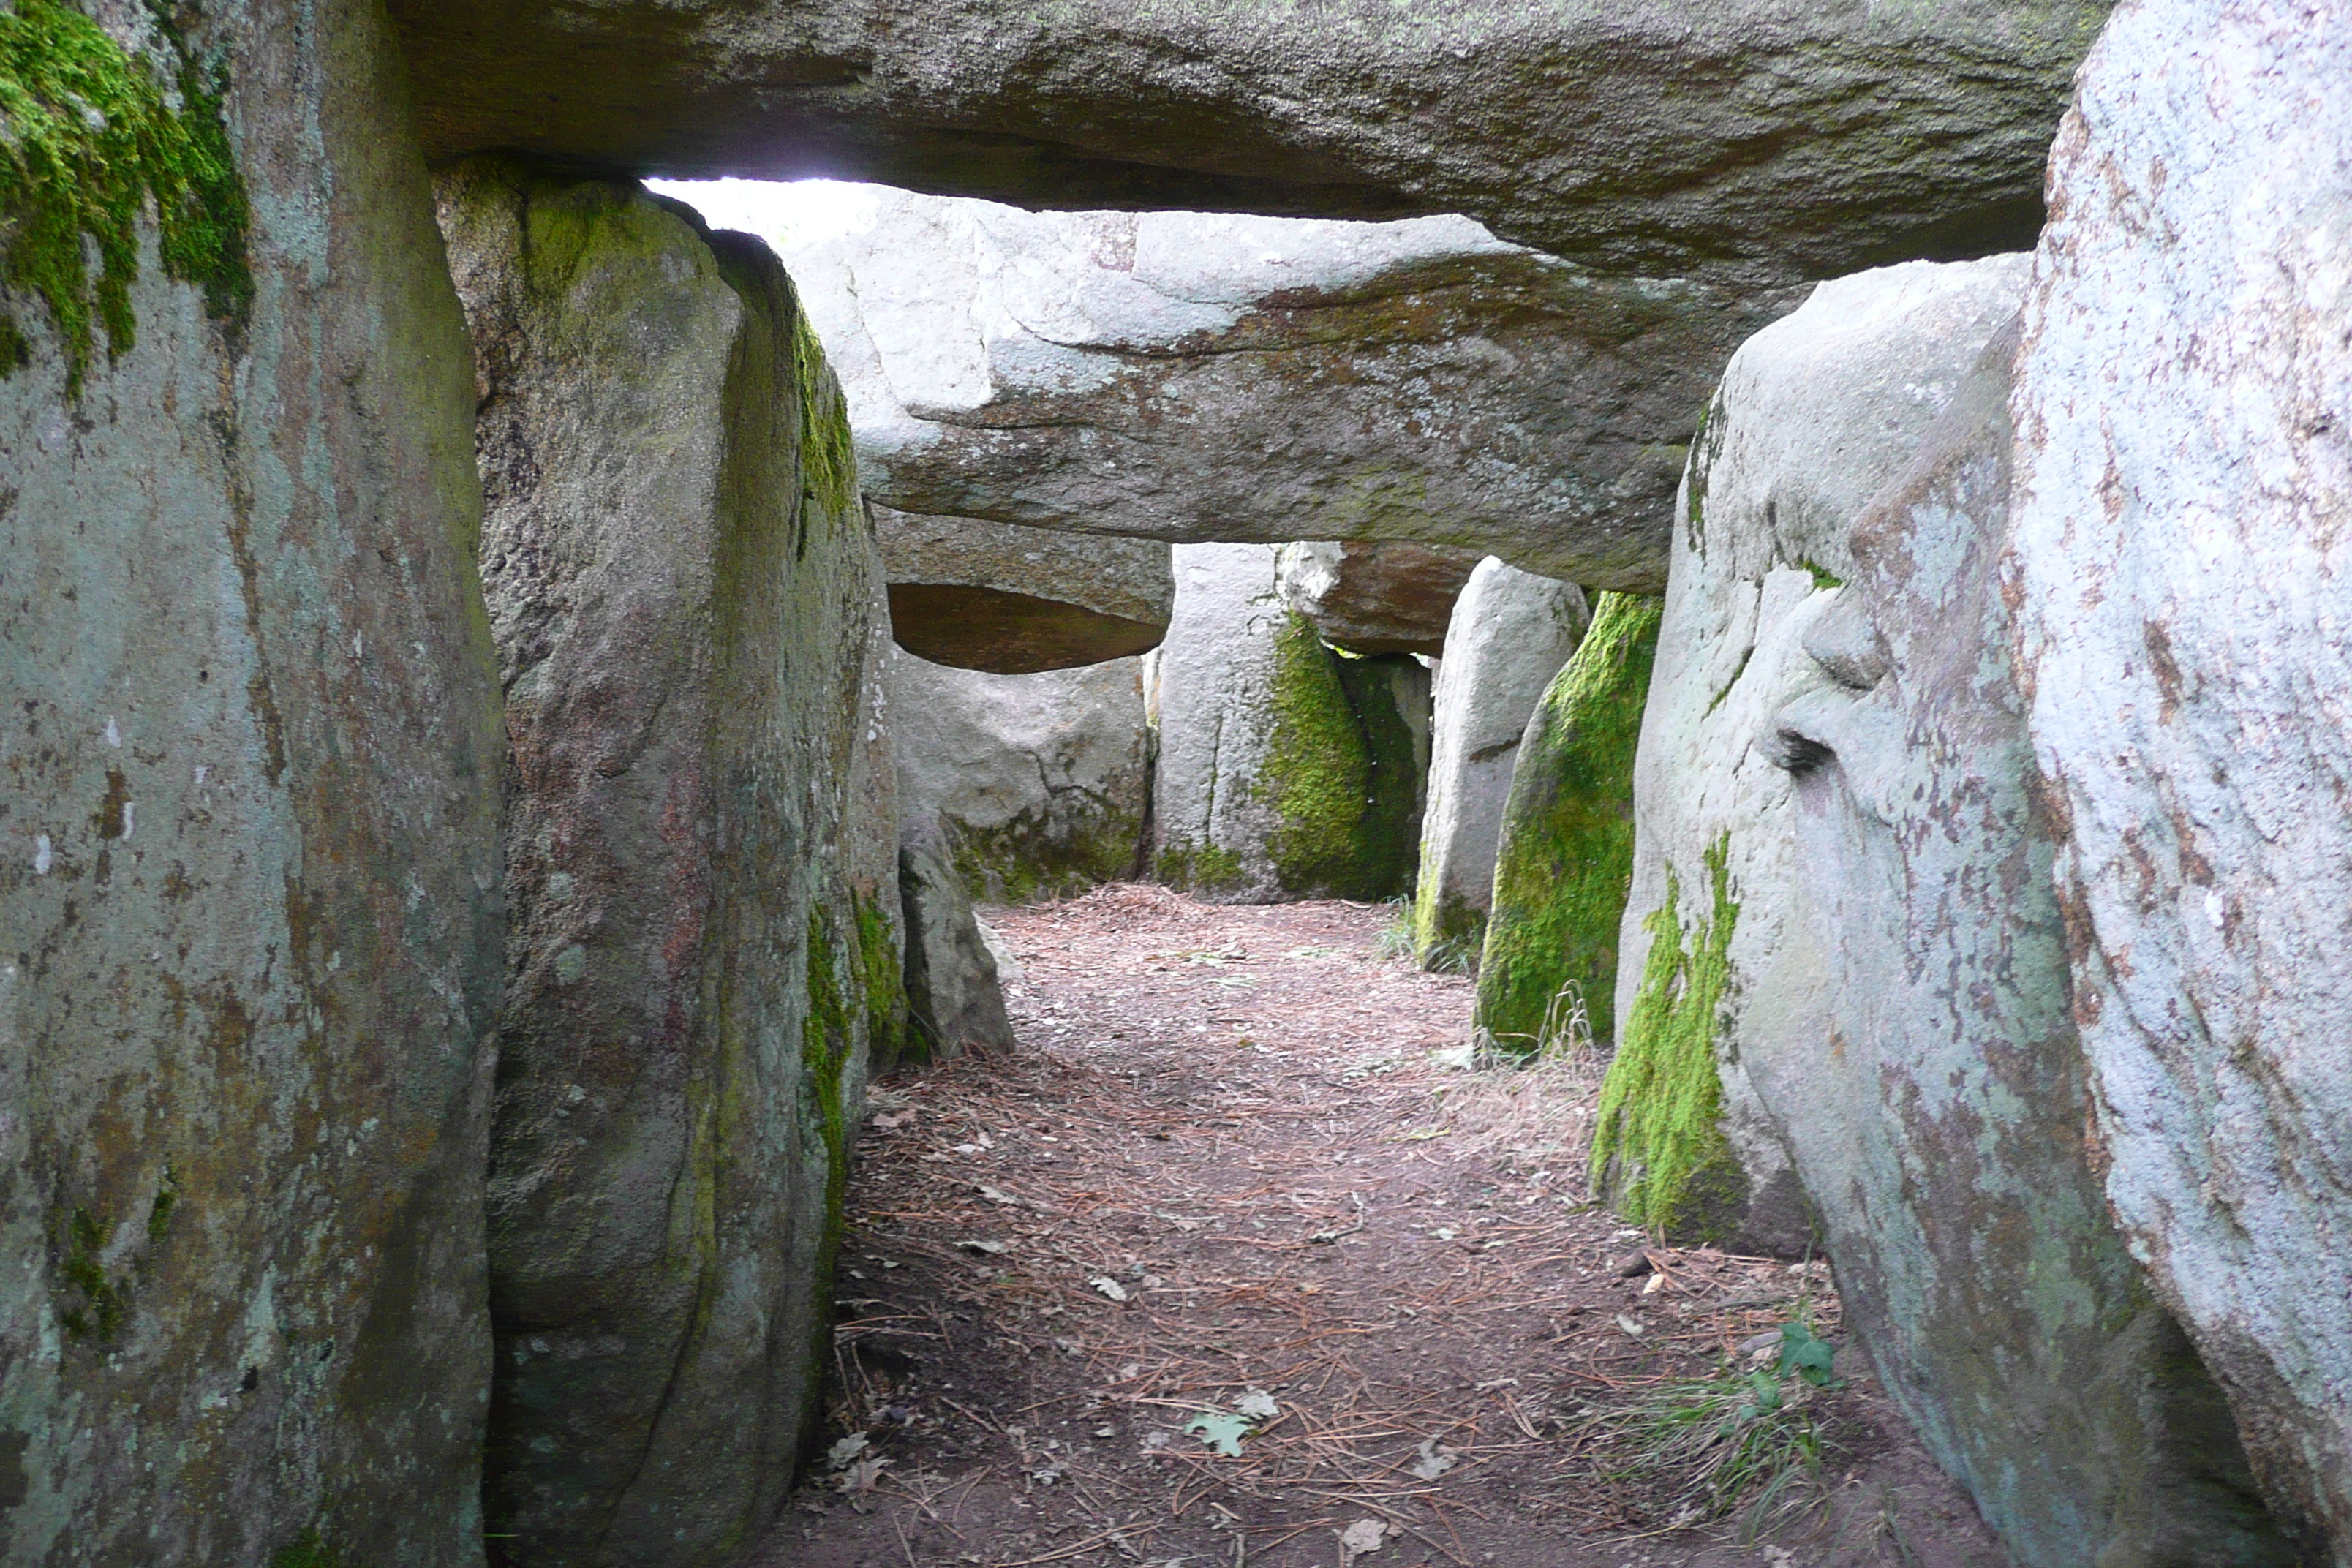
(702, 948)
(2184, 477)
(249, 902)
(1939, 1118)
(1547, 970)
(1814, 413)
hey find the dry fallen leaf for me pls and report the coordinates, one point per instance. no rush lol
(1434, 1461)
(1109, 1286)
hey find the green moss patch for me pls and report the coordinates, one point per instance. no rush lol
(1338, 772)
(828, 459)
(1658, 1147)
(91, 135)
(1203, 867)
(105, 1302)
(1028, 860)
(1565, 865)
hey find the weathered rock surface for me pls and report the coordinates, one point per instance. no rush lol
(1010, 600)
(249, 902)
(1940, 1119)
(1815, 413)
(1186, 377)
(954, 1002)
(1375, 598)
(700, 949)
(1285, 770)
(1042, 782)
(1547, 968)
(1511, 634)
(1652, 137)
(2184, 477)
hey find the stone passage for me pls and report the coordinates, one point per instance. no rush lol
(703, 947)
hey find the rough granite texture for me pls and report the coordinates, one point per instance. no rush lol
(1650, 136)
(249, 916)
(1187, 377)
(1040, 783)
(1010, 600)
(1566, 854)
(1375, 598)
(1285, 770)
(2184, 477)
(1511, 633)
(1814, 413)
(1943, 1123)
(954, 1002)
(700, 948)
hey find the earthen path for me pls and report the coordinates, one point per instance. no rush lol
(1237, 1192)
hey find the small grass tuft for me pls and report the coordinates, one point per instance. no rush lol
(1740, 1445)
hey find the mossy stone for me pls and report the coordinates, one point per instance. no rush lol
(1658, 1147)
(1338, 772)
(1566, 863)
(93, 134)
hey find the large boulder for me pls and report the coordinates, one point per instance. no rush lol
(1285, 770)
(1182, 377)
(1548, 967)
(1650, 137)
(1510, 633)
(1375, 598)
(250, 901)
(1815, 413)
(1940, 1116)
(2184, 479)
(1010, 600)
(1042, 784)
(701, 948)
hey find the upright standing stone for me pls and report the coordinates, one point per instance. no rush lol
(1285, 770)
(248, 899)
(701, 952)
(1510, 633)
(1815, 412)
(2184, 430)
(1567, 847)
(1940, 1118)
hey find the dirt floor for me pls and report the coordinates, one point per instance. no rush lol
(1239, 1191)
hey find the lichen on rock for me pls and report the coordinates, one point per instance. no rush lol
(91, 135)
(1567, 853)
